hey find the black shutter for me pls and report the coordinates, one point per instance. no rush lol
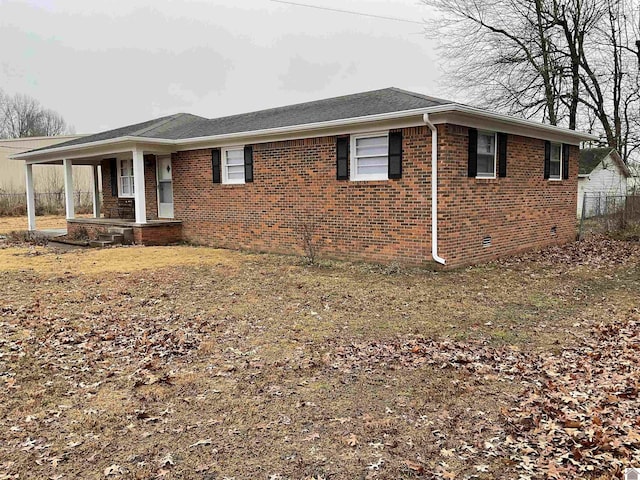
(395, 154)
(248, 164)
(113, 172)
(472, 168)
(342, 158)
(547, 159)
(565, 161)
(215, 165)
(502, 155)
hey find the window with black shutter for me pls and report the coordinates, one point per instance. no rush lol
(215, 165)
(342, 158)
(472, 160)
(565, 161)
(502, 155)
(395, 155)
(248, 164)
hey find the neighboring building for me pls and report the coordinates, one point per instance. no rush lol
(45, 178)
(633, 182)
(602, 173)
(387, 175)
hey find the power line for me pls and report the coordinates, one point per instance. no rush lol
(351, 12)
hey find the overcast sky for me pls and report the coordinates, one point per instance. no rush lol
(107, 64)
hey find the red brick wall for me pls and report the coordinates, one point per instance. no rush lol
(151, 187)
(517, 212)
(110, 202)
(76, 230)
(157, 234)
(295, 182)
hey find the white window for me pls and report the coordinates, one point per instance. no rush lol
(125, 178)
(555, 165)
(370, 156)
(233, 165)
(486, 155)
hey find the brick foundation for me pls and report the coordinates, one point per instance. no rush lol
(157, 234)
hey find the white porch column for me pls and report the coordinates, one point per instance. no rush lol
(96, 192)
(68, 189)
(138, 181)
(31, 202)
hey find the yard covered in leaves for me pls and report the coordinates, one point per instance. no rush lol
(184, 362)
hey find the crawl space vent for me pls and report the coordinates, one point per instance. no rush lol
(553, 231)
(486, 242)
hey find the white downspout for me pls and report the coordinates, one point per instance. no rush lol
(434, 190)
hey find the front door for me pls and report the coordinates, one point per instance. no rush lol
(165, 187)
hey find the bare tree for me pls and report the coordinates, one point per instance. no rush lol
(568, 62)
(23, 116)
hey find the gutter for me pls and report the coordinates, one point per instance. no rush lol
(434, 190)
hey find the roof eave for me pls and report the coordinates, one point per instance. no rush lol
(304, 128)
(59, 152)
(521, 126)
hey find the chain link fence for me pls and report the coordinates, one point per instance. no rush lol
(47, 203)
(603, 213)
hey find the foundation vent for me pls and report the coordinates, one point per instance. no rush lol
(554, 230)
(486, 242)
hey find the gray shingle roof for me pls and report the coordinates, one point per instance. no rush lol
(184, 125)
(336, 108)
(591, 157)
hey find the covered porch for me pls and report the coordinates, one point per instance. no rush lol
(137, 195)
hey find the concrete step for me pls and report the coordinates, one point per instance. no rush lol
(112, 237)
(126, 232)
(120, 230)
(100, 243)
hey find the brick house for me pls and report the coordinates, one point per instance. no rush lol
(384, 176)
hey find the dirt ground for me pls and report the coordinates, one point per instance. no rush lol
(187, 362)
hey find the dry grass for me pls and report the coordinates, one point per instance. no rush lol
(44, 260)
(124, 356)
(9, 224)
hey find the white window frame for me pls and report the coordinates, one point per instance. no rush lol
(559, 177)
(353, 176)
(495, 155)
(224, 166)
(121, 194)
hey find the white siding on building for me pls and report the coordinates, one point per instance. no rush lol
(45, 177)
(606, 179)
